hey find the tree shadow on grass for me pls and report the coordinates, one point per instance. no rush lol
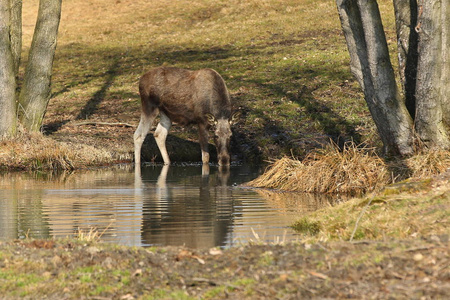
(328, 124)
(92, 105)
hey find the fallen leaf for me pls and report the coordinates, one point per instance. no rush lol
(318, 275)
(284, 277)
(215, 251)
(183, 254)
(127, 297)
(199, 259)
(188, 254)
(418, 257)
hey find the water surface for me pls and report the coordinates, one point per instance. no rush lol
(178, 205)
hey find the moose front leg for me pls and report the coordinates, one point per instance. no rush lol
(161, 132)
(204, 139)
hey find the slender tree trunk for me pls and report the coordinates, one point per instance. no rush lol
(445, 75)
(370, 63)
(35, 92)
(407, 42)
(432, 91)
(16, 33)
(7, 78)
(354, 34)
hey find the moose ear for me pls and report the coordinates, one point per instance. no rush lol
(235, 117)
(211, 119)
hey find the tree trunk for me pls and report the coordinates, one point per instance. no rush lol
(16, 33)
(371, 65)
(432, 93)
(35, 92)
(445, 76)
(407, 42)
(7, 78)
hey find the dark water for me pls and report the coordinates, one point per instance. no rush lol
(176, 205)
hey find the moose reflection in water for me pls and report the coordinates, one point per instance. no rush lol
(188, 98)
(198, 215)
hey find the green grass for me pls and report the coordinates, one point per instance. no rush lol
(306, 226)
(19, 285)
(408, 213)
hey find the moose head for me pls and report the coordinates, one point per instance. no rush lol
(222, 135)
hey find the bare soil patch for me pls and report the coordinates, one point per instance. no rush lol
(404, 269)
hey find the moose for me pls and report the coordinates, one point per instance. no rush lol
(187, 98)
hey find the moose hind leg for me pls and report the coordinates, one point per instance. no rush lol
(141, 132)
(160, 135)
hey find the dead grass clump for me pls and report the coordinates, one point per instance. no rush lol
(281, 174)
(424, 164)
(91, 235)
(428, 163)
(37, 152)
(353, 170)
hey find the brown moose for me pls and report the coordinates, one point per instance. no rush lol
(185, 97)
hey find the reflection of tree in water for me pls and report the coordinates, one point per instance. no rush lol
(21, 208)
(185, 207)
(20, 218)
(41, 205)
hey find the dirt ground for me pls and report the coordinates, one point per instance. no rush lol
(416, 269)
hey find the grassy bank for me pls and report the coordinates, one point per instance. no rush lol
(410, 209)
(408, 198)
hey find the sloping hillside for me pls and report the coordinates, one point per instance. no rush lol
(285, 63)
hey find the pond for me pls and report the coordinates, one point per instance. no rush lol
(160, 205)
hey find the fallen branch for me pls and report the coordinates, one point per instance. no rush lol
(103, 123)
(360, 216)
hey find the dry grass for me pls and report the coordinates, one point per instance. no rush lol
(38, 152)
(418, 208)
(89, 235)
(428, 163)
(327, 170)
(352, 170)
